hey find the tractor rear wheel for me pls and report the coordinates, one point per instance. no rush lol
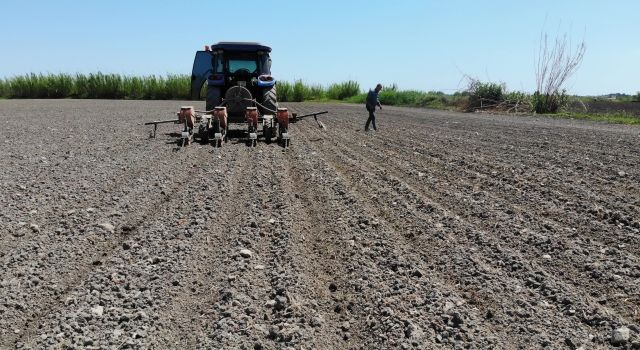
(213, 97)
(270, 100)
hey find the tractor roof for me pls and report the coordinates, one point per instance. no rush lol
(240, 46)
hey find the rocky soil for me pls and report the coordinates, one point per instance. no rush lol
(441, 230)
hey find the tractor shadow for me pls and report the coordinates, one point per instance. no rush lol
(234, 137)
(174, 139)
(238, 137)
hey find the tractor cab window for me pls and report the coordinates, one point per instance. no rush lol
(242, 64)
(218, 64)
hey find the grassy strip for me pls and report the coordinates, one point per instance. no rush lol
(116, 86)
(96, 85)
(411, 98)
(176, 87)
(299, 91)
(613, 118)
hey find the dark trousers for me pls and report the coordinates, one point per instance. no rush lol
(372, 120)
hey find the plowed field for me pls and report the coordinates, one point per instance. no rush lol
(440, 230)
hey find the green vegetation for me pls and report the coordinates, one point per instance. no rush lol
(115, 86)
(171, 87)
(550, 103)
(482, 95)
(479, 95)
(299, 91)
(96, 85)
(492, 96)
(393, 96)
(343, 91)
(3, 88)
(614, 118)
(285, 91)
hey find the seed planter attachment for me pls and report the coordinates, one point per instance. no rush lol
(213, 124)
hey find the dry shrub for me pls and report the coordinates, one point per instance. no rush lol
(555, 64)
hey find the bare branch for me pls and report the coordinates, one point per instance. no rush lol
(555, 64)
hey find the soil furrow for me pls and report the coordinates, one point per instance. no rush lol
(530, 231)
(97, 246)
(442, 230)
(353, 166)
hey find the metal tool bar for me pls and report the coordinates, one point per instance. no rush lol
(156, 122)
(314, 115)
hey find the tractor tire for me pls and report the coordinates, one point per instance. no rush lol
(270, 100)
(213, 97)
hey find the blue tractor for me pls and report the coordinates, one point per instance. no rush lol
(239, 90)
(238, 77)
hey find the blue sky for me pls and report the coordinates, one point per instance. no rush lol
(424, 45)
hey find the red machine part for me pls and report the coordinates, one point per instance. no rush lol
(283, 117)
(221, 114)
(251, 116)
(187, 113)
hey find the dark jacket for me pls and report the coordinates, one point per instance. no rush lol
(372, 100)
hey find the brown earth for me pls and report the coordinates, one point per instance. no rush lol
(441, 230)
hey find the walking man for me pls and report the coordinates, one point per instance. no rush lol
(372, 102)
